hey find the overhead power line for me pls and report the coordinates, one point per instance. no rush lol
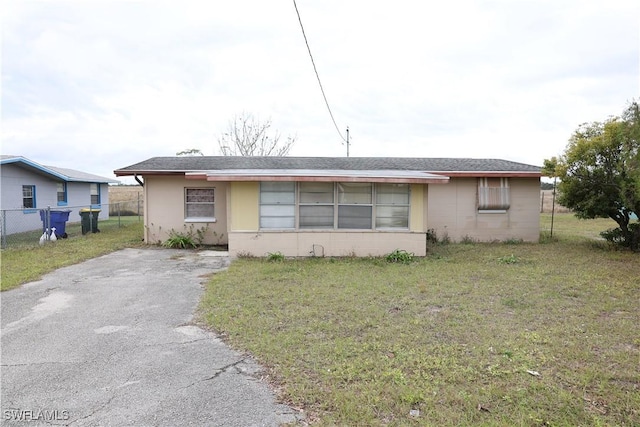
(315, 69)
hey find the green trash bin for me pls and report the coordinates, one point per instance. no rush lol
(89, 220)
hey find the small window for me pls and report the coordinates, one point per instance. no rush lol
(277, 205)
(199, 203)
(29, 196)
(94, 190)
(62, 193)
(493, 194)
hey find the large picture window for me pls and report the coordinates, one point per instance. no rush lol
(493, 194)
(277, 205)
(199, 203)
(329, 205)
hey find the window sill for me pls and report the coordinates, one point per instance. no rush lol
(29, 210)
(62, 203)
(492, 211)
(200, 219)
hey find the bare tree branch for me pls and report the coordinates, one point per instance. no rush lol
(247, 136)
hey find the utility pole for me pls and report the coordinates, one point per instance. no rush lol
(347, 141)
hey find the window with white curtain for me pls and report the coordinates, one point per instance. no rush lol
(493, 194)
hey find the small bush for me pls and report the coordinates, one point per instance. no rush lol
(190, 238)
(275, 257)
(400, 256)
(509, 259)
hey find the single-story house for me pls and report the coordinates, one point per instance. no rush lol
(302, 206)
(28, 187)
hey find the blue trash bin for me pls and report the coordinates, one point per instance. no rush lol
(59, 218)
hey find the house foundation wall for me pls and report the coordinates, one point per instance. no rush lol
(334, 243)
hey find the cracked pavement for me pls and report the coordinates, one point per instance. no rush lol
(110, 342)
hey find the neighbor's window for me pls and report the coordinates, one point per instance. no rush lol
(316, 204)
(278, 205)
(62, 193)
(29, 196)
(493, 194)
(94, 190)
(355, 205)
(392, 206)
(199, 203)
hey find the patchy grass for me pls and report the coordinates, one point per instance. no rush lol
(27, 262)
(456, 338)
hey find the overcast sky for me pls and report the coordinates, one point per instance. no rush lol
(99, 85)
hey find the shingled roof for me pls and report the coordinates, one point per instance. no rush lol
(444, 166)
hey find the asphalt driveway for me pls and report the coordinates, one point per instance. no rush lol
(110, 342)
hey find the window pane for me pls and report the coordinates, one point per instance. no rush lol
(354, 217)
(392, 217)
(277, 186)
(274, 198)
(316, 192)
(354, 193)
(200, 195)
(392, 194)
(277, 222)
(199, 211)
(277, 210)
(316, 216)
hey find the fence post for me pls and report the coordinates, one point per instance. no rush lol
(47, 223)
(3, 224)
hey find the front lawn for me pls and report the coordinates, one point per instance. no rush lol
(473, 334)
(26, 261)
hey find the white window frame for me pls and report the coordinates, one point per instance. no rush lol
(94, 191)
(202, 203)
(32, 189)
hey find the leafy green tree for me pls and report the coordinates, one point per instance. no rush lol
(600, 174)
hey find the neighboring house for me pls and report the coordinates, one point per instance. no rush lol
(28, 187)
(302, 206)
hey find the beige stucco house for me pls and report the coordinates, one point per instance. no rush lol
(319, 206)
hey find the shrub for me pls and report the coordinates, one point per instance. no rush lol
(275, 257)
(400, 256)
(190, 238)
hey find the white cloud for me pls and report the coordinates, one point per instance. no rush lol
(100, 85)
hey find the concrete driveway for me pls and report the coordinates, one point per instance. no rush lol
(110, 342)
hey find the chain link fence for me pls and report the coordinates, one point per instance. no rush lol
(29, 227)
